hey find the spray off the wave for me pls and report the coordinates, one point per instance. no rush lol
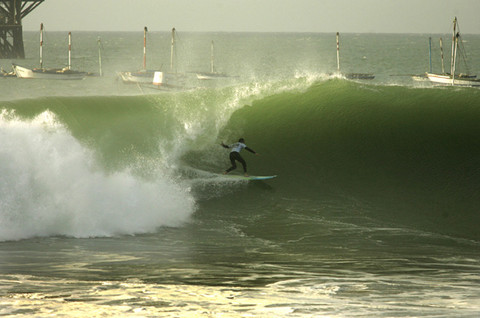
(104, 166)
(52, 185)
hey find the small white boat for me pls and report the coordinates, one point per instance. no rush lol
(458, 80)
(65, 73)
(44, 73)
(213, 74)
(142, 76)
(171, 80)
(210, 75)
(356, 76)
(4, 73)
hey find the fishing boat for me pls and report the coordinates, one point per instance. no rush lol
(213, 74)
(65, 73)
(172, 79)
(423, 77)
(4, 73)
(362, 76)
(143, 75)
(452, 78)
(52, 73)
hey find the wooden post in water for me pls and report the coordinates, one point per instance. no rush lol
(172, 50)
(338, 53)
(441, 55)
(69, 50)
(99, 42)
(212, 68)
(41, 45)
(145, 48)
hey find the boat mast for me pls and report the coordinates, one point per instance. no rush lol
(454, 49)
(145, 48)
(41, 45)
(69, 50)
(441, 55)
(452, 61)
(338, 53)
(172, 50)
(99, 56)
(430, 52)
(212, 69)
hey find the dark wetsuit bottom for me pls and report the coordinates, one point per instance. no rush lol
(235, 156)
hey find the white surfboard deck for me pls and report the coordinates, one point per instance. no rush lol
(233, 176)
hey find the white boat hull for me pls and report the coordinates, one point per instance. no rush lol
(142, 77)
(169, 80)
(56, 74)
(448, 80)
(210, 76)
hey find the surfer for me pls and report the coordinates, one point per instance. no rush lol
(235, 155)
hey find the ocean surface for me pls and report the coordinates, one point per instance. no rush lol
(112, 203)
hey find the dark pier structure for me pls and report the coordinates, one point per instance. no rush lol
(11, 31)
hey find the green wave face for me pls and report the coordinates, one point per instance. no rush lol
(410, 153)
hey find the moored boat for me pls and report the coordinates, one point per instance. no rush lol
(44, 73)
(213, 74)
(447, 79)
(143, 76)
(171, 80)
(452, 78)
(65, 73)
(357, 76)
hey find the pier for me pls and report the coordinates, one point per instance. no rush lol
(12, 13)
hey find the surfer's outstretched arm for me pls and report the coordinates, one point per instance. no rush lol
(251, 150)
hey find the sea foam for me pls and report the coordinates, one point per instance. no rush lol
(51, 185)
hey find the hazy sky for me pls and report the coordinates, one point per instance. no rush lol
(377, 16)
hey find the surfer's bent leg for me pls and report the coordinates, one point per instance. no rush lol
(232, 160)
(244, 164)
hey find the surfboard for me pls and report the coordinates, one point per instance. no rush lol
(233, 176)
